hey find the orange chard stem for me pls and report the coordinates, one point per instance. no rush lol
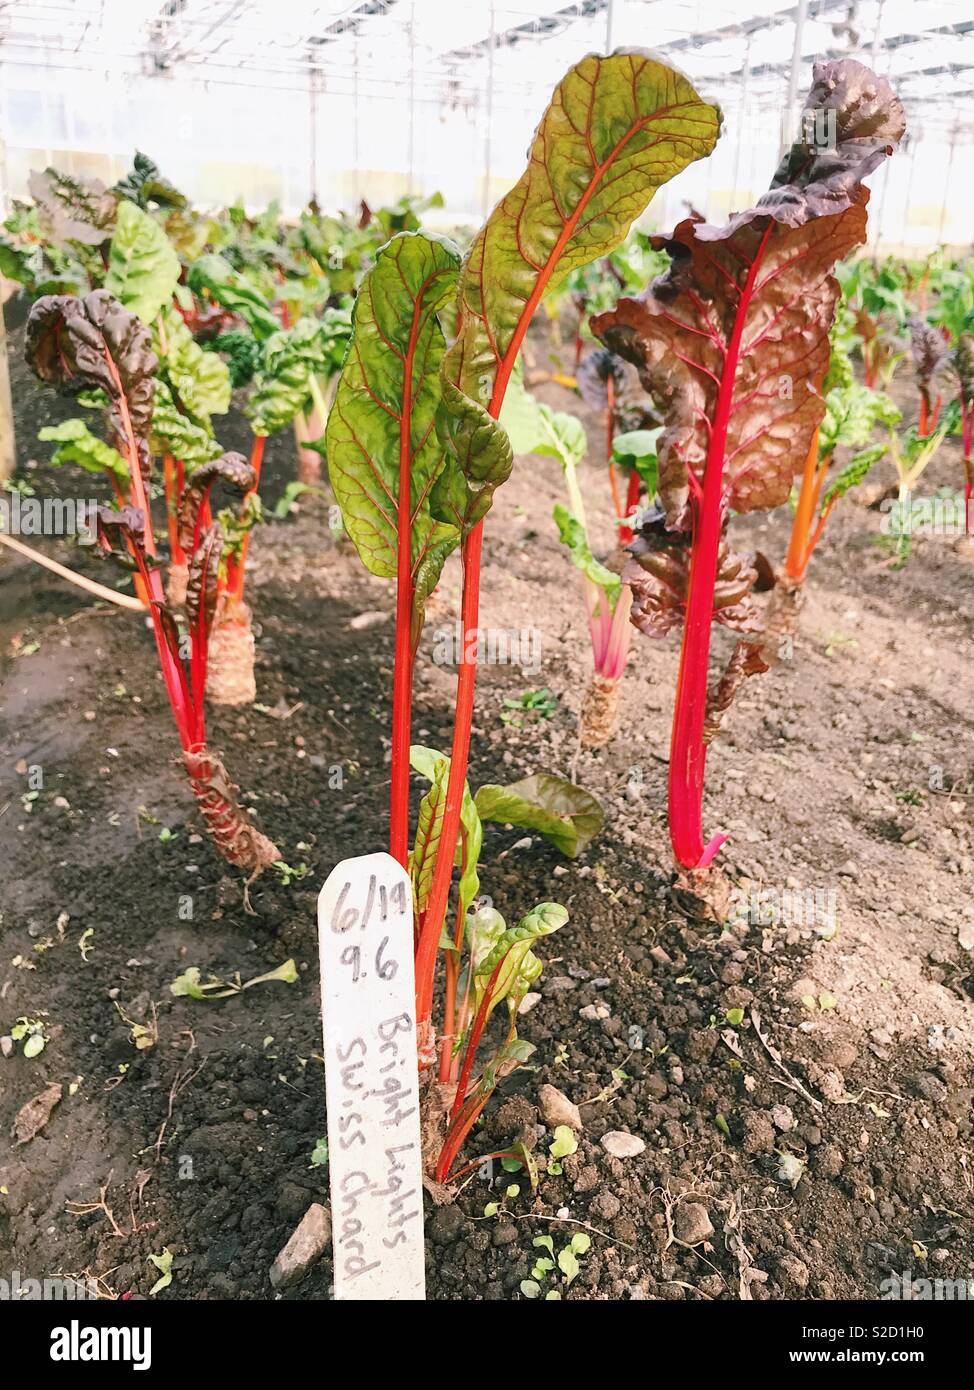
(796, 559)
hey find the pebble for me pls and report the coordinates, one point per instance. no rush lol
(370, 618)
(622, 1145)
(308, 1243)
(528, 1003)
(782, 1118)
(593, 1013)
(6, 1045)
(793, 1273)
(445, 1225)
(556, 1109)
(692, 1224)
(605, 1205)
(850, 869)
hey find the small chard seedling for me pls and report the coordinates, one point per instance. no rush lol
(533, 428)
(733, 342)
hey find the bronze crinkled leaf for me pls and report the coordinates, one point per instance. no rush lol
(732, 341)
(658, 573)
(72, 343)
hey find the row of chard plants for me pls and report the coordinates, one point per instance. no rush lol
(726, 384)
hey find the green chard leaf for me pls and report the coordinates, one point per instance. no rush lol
(435, 767)
(385, 415)
(568, 816)
(636, 450)
(512, 958)
(215, 277)
(173, 432)
(142, 266)
(200, 379)
(853, 473)
(77, 444)
(284, 384)
(571, 532)
(617, 128)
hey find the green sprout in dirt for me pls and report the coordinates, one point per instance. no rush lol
(566, 1261)
(319, 1154)
(32, 1033)
(562, 1145)
(188, 985)
(291, 873)
(533, 704)
(163, 1264)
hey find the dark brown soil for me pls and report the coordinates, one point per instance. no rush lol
(826, 777)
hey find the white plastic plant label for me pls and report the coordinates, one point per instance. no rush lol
(368, 1005)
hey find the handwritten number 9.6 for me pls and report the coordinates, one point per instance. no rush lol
(385, 969)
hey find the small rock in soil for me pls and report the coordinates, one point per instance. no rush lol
(308, 1243)
(556, 1109)
(692, 1224)
(782, 1118)
(593, 1013)
(371, 618)
(622, 1145)
(6, 1045)
(758, 1133)
(445, 1225)
(505, 1233)
(605, 1205)
(793, 1274)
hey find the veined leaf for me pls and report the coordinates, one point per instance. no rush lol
(216, 278)
(94, 342)
(435, 767)
(571, 532)
(568, 816)
(513, 960)
(142, 266)
(173, 432)
(853, 473)
(77, 444)
(735, 336)
(617, 128)
(383, 423)
(200, 379)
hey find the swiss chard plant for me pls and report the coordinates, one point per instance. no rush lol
(95, 344)
(533, 428)
(414, 449)
(733, 343)
(930, 350)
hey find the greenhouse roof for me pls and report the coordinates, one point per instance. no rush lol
(927, 46)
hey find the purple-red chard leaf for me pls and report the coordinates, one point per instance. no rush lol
(616, 129)
(232, 469)
(75, 343)
(732, 342)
